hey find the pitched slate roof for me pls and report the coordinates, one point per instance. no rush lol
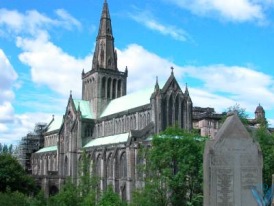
(114, 139)
(127, 102)
(55, 124)
(85, 108)
(47, 149)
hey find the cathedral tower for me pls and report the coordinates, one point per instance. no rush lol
(104, 81)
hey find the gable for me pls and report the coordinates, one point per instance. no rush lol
(85, 108)
(171, 85)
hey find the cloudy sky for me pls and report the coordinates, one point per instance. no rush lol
(223, 50)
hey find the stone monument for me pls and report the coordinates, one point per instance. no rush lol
(232, 166)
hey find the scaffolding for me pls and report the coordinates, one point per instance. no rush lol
(31, 143)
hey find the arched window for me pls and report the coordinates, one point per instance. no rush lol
(114, 89)
(98, 165)
(177, 114)
(109, 88)
(119, 92)
(66, 173)
(123, 165)
(103, 92)
(170, 110)
(110, 166)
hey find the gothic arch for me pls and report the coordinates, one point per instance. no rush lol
(109, 81)
(110, 166)
(53, 190)
(123, 165)
(66, 173)
(114, 88)
(119, 88)
(103, 91)
(177, 105)
(170, 110)
(98, 165)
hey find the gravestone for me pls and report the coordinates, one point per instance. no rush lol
(232, 166)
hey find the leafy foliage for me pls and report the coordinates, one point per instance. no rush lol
(110, 198)
(13, 176)
(266, 141)
(82, 194)
(240, 111)
(173, 170)
(14, 199)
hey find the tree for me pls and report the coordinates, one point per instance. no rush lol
(83, 193)
(68, 195)
(14, 199)
(173, 170)
(110, 198)
(240, 111)
(13, 176)
(266, 141)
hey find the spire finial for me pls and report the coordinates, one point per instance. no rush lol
(70, 93)
(172, 70)
(157, 84)
(186, 91)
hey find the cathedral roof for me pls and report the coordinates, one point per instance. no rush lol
(55, 124)
(47, 149)
(129, 101)
(85, 108)
(114, 139)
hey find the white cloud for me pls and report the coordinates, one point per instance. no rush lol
(51, 66)
(143, 67)
(231, 10)
(8, 74)
(11, 133)
(146, 18)
(32, 22)
(221, 86)
(241, 82)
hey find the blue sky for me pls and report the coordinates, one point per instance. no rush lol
(223, 50)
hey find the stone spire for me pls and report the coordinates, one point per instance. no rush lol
(105, 56)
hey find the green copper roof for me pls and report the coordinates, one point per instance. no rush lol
(114, 139)
(47, 149)
(55, 124)
(85, 108)
(127, 102)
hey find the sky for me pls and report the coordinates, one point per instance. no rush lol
(222, 49)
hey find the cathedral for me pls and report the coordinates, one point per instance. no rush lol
(111, 124)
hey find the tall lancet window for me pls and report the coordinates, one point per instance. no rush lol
(110, 166)
(98, 165)
(123, 165)
(177, 114)
(170, 110)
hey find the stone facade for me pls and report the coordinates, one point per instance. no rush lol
(108, 123)
(111, 124)
(232, 166)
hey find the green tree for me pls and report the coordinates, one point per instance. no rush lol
(68, 195)
(266, 141)
(14, 199)
(84, 193)
(239, 110)
(110, 198)
(173, 170)
(13, 176)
